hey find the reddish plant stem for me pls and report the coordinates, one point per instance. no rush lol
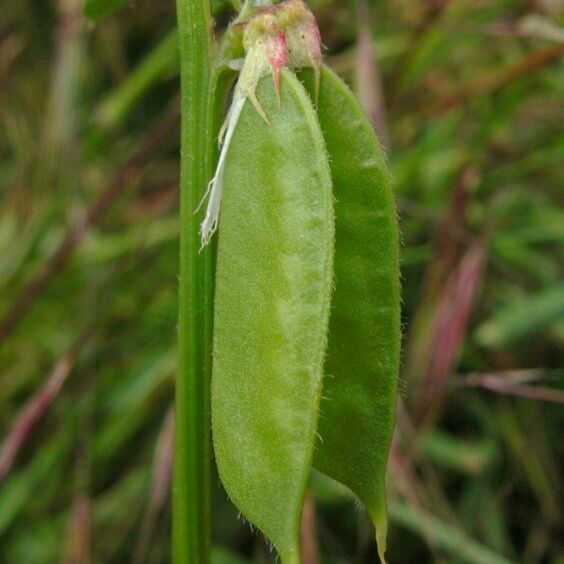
(37, 406)
(160, 486)
(369, 79)
(78, 549)
(502, 385)
(308, 532)
(449, 331)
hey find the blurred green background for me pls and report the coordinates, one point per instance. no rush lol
(467, 97)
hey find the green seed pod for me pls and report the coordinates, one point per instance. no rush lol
(357, 420)
(273, 285)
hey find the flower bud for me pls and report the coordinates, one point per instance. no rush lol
(302, 35)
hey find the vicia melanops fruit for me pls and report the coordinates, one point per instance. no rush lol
(307, 320)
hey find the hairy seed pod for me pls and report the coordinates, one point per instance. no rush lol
(357, 420)
(273, 285)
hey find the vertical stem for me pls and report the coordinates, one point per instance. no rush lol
(191, 485)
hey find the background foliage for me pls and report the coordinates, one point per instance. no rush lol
(467, 98)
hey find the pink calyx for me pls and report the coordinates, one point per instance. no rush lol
(277, 55)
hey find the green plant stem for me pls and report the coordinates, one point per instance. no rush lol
(191, 484)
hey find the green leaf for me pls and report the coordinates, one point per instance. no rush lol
(158, 63)
(95, 9)
(521, 318)
(445, 535)
(357, 418)
(273, 285)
